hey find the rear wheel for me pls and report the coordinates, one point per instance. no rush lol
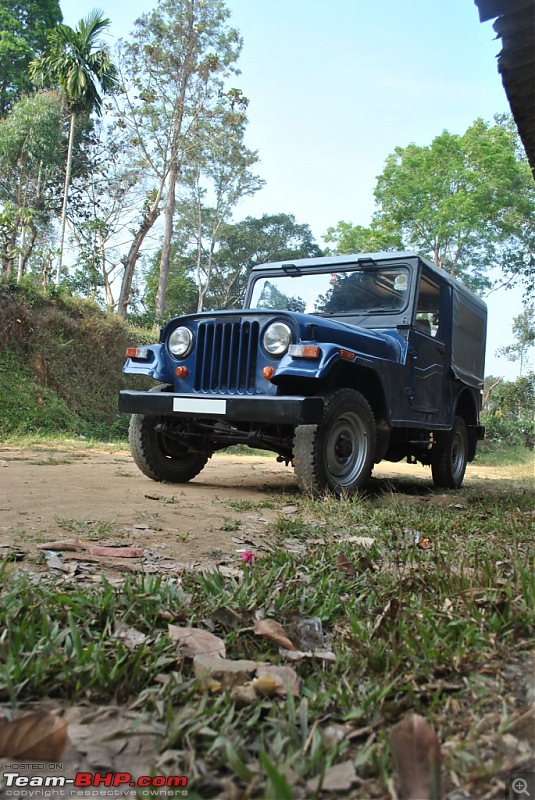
(159, 456)
(338, 455)
(449, 456)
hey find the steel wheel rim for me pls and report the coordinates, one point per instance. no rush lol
(458, 455)
(346, 449)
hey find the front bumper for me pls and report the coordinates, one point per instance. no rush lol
(278, 410)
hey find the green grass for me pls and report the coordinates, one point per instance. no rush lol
(492, 454)
(430, 631)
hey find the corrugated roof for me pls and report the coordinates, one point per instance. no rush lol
(515, 26)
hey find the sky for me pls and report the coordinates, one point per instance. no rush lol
(335, 85)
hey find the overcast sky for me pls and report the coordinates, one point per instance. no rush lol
(335, 85)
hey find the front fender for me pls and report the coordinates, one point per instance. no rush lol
(318, 368)
(153, 366)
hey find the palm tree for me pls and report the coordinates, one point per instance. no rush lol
(82, 67)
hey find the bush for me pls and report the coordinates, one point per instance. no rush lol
(61, 364)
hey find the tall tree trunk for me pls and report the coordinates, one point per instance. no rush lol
(20, 270)
(65, 198)
(110, 303)
(165, 258)
(147, 222)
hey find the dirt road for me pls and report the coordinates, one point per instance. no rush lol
(101, 498)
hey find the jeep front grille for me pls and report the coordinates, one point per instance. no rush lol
(226, 355)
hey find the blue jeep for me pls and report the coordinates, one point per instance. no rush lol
(333, 363)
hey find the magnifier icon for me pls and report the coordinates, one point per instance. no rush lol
(520, 786)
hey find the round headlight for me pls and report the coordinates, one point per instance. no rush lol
(181, 342)
(277, 338)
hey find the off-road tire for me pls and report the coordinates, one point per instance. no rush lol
(159, 457)
(449, 456)
(338, 455)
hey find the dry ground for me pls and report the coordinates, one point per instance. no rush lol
(100, 497)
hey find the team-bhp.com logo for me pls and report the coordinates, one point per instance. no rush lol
(17, 785)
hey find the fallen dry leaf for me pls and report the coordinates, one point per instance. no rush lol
(131, 637)
(390, 611)
(285, 677)
(417, 752)
(363, 541)
(225, 670)
(338, 778)
(67, 545)
(195, 641)
(228, 617)
(273, 630)
(345, 565)
(116, 552)
(243, 695)
(301, 655)
(39, 735)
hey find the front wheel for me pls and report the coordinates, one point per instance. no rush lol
(159, 456)
(449, 456)
(338, 455)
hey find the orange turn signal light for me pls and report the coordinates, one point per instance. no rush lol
(348, 355)
(137, 352)
(182, 372)
(268, 372)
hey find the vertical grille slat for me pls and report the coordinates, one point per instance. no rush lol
(226, 356)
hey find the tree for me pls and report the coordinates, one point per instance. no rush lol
(241, 245)
(220, 174)
(508, 410)
(82, 67)
(524, 332)
(465, 201)
(31, 147)
(174, 72)
(107, 195)
(348, 238)
(24, 25)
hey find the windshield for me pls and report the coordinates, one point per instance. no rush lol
(360, 291)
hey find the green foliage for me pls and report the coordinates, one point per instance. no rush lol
(24, 25)
(242, 245)
(508, 413)
(27, 405)
(465, 201)
(60, 364)
(348, 238)
(78, 64)
(252, 241)
(32, 149)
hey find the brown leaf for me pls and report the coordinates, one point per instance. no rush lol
(116, 552)
(417, 752)
(338, 778)
(131, 637)
(65, 545)
(285, 677)
(224, 670)
(273, 630)
(390, 611)
(195, 641)
(345, 565)
(228, 617)
(39, 735)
